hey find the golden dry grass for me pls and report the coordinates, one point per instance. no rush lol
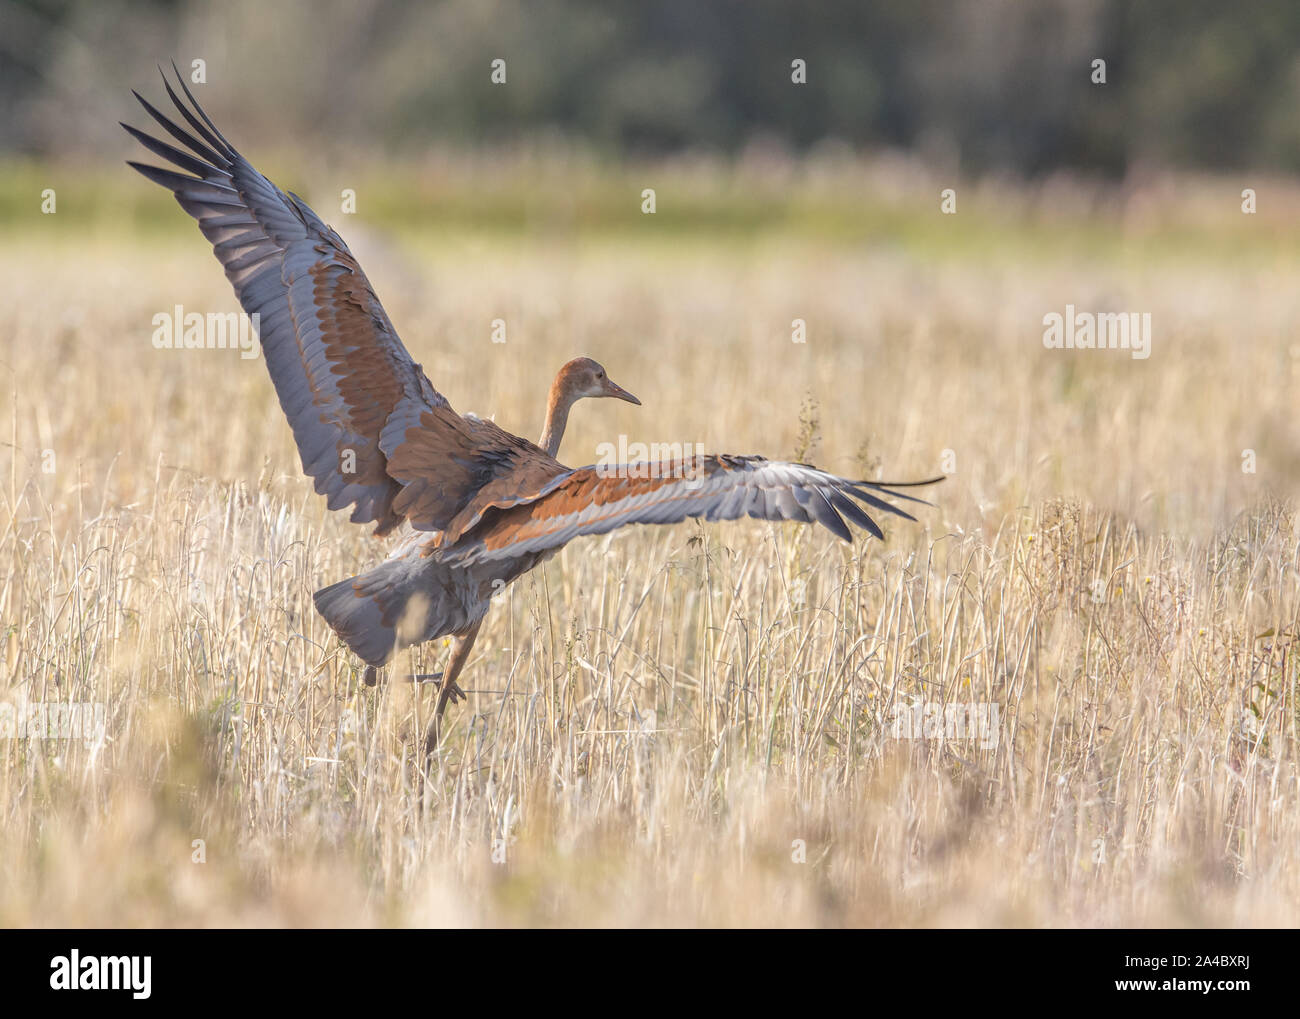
(658, 717)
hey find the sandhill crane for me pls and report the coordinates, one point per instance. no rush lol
(474, 507)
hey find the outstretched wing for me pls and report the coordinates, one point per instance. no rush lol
(595, 500)
(347, 385)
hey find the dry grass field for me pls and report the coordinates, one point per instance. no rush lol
(689, 725)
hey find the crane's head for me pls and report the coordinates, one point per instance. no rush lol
(578, 378)
(584, 377)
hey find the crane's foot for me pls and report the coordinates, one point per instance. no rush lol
(454, 693)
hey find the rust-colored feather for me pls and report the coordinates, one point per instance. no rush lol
(595, 500)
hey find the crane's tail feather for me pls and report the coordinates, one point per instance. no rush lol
(358, 620)
(384, 610)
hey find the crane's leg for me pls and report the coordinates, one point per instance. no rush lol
(461, 644)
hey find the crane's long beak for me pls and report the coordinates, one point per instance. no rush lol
(613, 389)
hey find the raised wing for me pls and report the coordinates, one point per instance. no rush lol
(595, 500)
(348, 386)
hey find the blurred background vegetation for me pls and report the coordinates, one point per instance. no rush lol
(978, 86)
(902, 96)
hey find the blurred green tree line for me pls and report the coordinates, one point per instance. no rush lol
(979, 85)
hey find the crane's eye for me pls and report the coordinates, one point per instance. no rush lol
(600, 375)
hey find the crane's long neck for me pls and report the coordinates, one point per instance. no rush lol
(557, 416)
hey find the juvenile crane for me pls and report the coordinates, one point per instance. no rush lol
(473, 506)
